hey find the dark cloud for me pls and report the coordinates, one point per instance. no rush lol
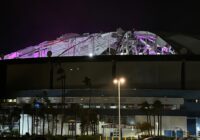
(29, 22)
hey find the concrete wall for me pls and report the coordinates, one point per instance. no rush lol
(37, 76)
(139, 75)
(151, 74)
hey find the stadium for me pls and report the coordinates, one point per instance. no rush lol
(52, 86)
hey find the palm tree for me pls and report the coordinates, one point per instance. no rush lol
(76, 111)
(94, 121)
(89, 121)
(85, 116)
(154, 119)
(42, 112)
(143, 127)
(47, 105)
(83, 119)
(158, 107)
(33, 115)
(61, 78)
(87, 82)
(145, 107)
(54, 121)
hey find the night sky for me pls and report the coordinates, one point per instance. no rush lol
(30, 22)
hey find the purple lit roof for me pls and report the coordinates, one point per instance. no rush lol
(111, 43)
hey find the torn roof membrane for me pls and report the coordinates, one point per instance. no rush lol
(111, 43)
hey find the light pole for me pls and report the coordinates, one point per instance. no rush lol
(118, 82)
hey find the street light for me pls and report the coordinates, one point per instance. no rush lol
(118, 82)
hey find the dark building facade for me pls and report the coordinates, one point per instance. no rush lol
(87, 81)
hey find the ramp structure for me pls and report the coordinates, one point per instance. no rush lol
(111, 43)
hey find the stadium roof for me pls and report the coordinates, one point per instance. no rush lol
(184, 43)
(119, 42)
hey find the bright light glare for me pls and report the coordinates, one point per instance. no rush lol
(122, 80)
(90, 55)
(10, 100)
(115, 81)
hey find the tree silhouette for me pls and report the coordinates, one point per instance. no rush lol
(158, 107)
(62, 76)
(87, 82)
(143, 127)
(146, 108)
